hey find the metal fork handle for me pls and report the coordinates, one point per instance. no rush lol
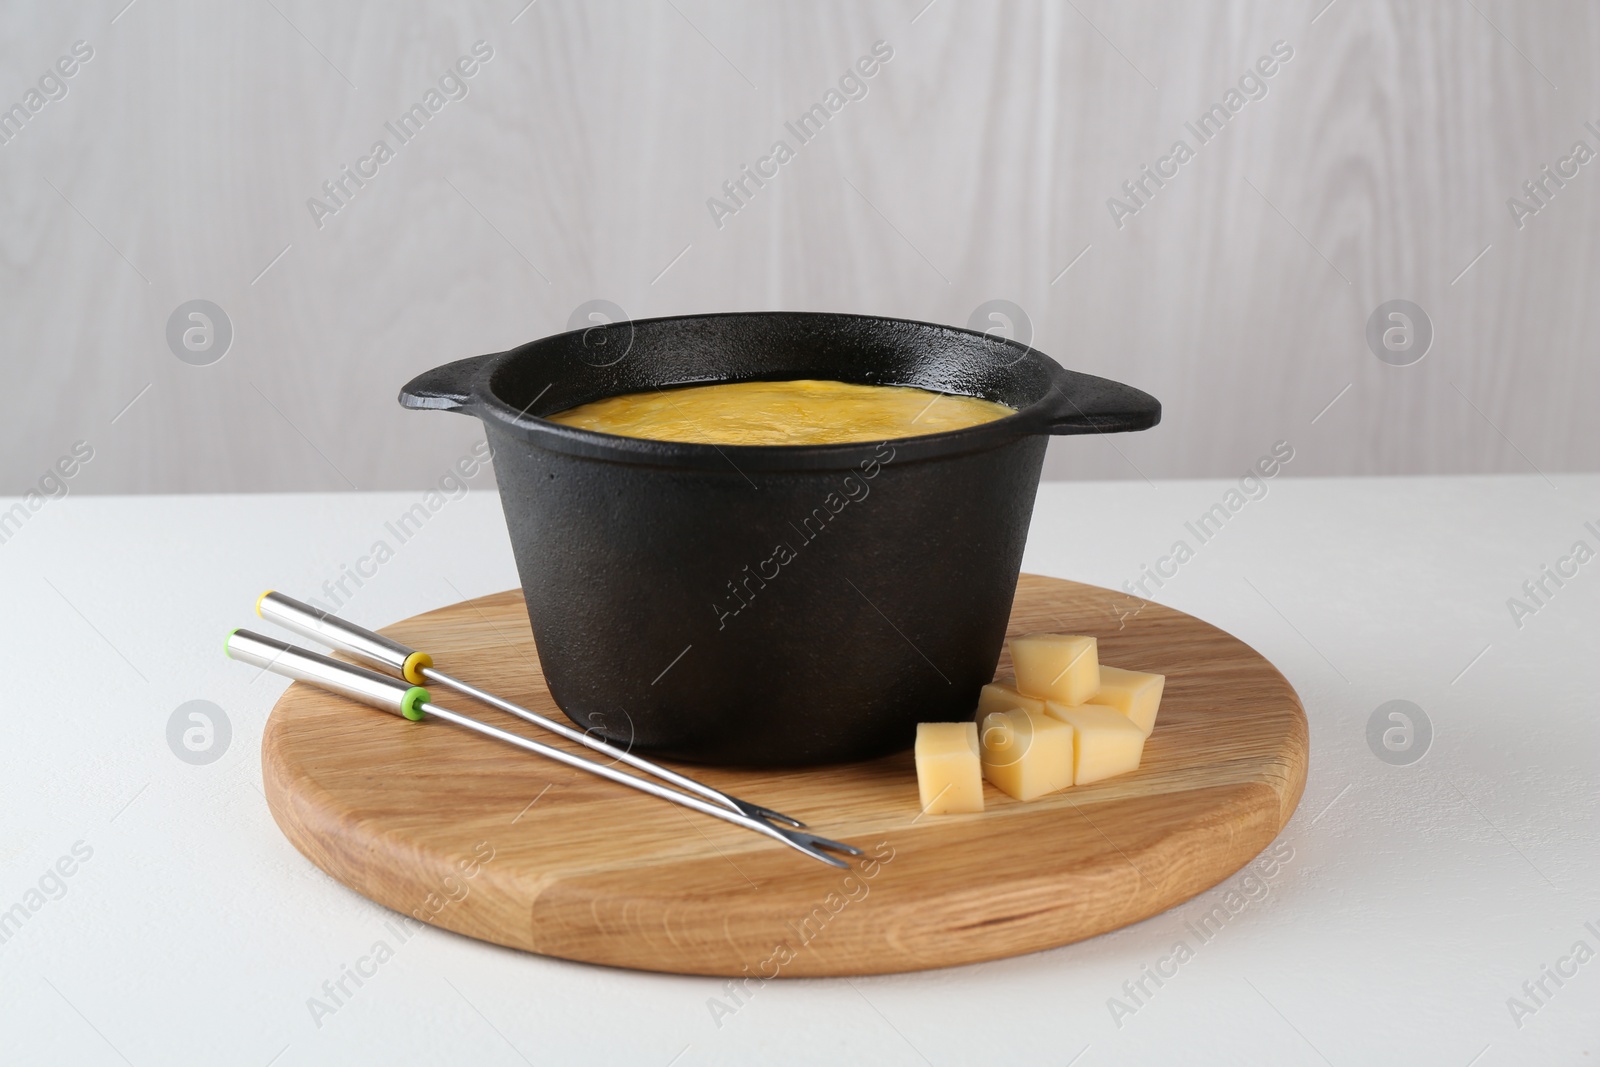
(417, 667)
(412, 702)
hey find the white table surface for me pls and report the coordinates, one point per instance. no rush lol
(1418, 898)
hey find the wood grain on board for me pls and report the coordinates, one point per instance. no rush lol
(497, 844)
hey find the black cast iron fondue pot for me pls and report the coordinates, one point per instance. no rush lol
(769, 605)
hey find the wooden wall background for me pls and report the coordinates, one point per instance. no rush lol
(978, 166)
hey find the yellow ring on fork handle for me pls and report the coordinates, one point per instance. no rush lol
(414, 665)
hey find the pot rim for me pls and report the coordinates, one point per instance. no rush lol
(1074, 403)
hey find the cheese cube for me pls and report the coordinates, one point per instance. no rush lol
(949, 776)
(1137, 694)
(1058, 667)
(998, 696)
(1024, 753)
(1107, 741)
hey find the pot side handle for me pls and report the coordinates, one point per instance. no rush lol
(447, 388)
(1083, 403)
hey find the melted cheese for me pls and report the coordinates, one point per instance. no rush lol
(804, 412)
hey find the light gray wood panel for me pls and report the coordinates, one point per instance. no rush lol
(978, 165)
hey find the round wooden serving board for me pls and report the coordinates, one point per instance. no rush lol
(480, 838)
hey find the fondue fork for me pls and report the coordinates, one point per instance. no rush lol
(415, 703)
(417, 667)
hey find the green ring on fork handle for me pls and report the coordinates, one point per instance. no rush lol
(408, 703)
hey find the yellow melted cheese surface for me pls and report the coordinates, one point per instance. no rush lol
(802, 412)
